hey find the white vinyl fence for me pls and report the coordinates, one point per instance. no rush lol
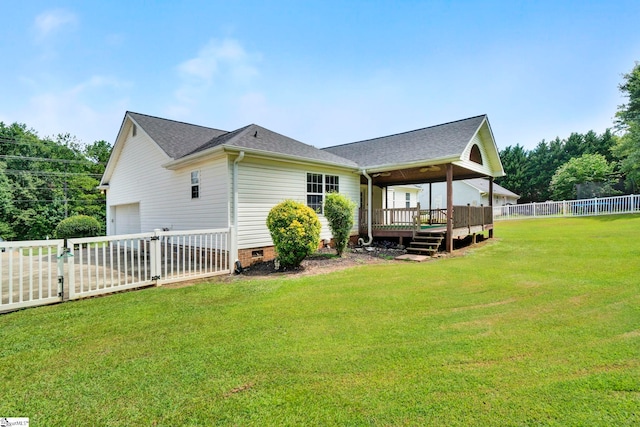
(583, 207)
(30, 273)
(44, 272)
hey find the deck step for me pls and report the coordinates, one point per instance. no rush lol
(429, 251)
(425, 243)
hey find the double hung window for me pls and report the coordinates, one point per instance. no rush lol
(317, 186)
(195, 184)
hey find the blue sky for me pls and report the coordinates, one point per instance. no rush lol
(323, 72)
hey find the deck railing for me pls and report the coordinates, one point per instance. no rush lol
(471, 216)
(413, 218)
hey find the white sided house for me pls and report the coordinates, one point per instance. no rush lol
(164, 174)
(170, 175)
(474, 192)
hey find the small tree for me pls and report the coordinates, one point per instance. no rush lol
(77, 226)
(338, 209)
(295, 231)
(580, 170)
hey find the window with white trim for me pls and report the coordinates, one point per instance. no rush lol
(317, 186)
(407, 200)
(195, 184)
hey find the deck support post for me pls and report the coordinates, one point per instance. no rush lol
(369, 210)
(491, 205)
(430, 207)
(449, 244)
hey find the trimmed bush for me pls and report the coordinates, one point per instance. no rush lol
(77, 226)
(295, 231)
(338, 209)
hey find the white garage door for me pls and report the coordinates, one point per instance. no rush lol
(127, 219)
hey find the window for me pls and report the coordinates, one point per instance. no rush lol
(407, 199)
(317, 186)
(195, 184)
(134, 130)
(331, 184)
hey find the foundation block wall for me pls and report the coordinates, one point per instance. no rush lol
(253, 255)
(250, 256)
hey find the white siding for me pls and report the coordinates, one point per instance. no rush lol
(462, 194)
(263, 183)
(396, 197)
(164, 196)
(488, 151)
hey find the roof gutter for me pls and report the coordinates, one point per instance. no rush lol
(175, 164)
(369, 200)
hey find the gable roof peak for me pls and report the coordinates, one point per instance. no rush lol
(439, 142)
(175, 138)
(399, 134)
(134, 114)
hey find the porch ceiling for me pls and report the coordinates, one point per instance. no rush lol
(419, 175)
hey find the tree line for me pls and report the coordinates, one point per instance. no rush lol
(582, 165)
(45, 180)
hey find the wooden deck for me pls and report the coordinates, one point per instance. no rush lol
(407, 222)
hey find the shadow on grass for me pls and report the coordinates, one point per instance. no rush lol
(612, 217)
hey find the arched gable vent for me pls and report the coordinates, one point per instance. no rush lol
(475, 155)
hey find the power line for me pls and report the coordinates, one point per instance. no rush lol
(61, 201)
(47, 159)
(47, 173)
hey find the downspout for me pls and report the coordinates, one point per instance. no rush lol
(369, 200)
(234, 250)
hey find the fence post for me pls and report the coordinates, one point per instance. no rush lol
(155, 255)
(67, 254)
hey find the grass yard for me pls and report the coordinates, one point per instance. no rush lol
(539, 327)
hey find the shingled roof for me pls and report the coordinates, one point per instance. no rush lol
(175, 138)
(254, 137)
(443, 141)
(482, 184)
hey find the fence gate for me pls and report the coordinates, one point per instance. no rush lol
(45, 271)
(31, 273)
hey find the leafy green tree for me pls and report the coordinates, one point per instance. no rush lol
(48, 179)
(339, 210)
(7, 210)
(627, 147)
(543, 162)
(516, 168)
(588, 168)
(630, 112)
(627, 150)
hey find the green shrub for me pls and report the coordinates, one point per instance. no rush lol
(295, 231)
(338, 209)
(77, 226)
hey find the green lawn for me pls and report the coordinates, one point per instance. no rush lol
(539, 327)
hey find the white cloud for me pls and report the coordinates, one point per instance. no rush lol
(219, 64)
(73, 110)
(51, 21)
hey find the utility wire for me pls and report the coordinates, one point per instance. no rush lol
(47, 173)
(47, 159)
(58, 200)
